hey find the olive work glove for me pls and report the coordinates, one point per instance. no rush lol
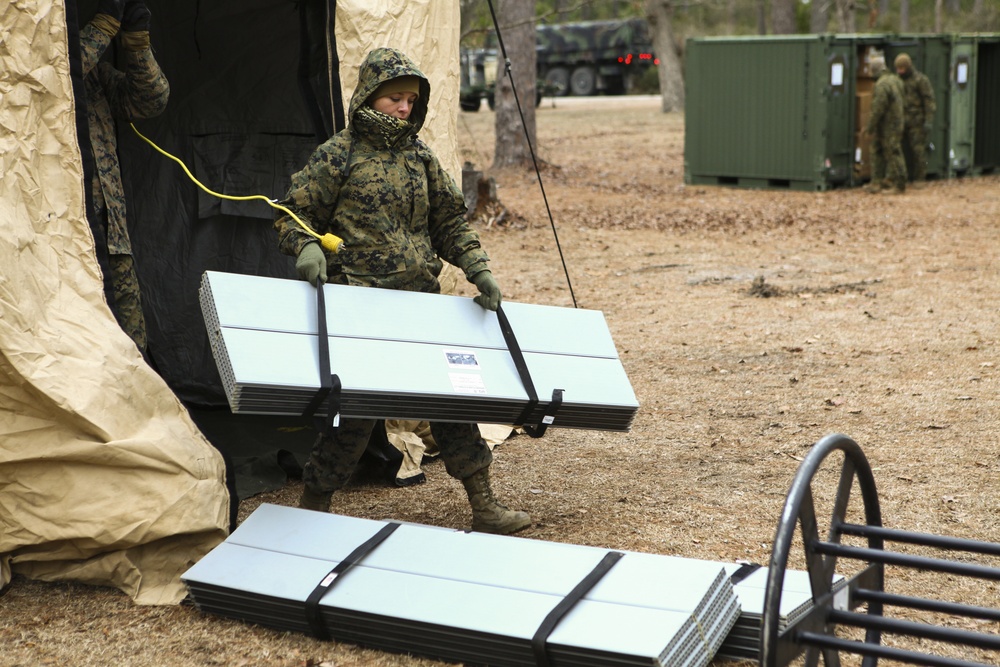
(311, 263)
(135, 16)
(489, 292)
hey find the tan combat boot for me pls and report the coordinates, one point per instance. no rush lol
(316, 501)
(489, 516)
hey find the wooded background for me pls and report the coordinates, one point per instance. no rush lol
(694, 18)
(671, 23)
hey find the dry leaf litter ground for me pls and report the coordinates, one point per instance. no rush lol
(751, 324)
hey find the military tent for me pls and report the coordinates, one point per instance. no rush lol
(104, 476)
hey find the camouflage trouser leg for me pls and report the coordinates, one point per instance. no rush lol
(917, 139)
(463, 449)
(128, 300)
(335, 455)
(895, 167)
(877, 152)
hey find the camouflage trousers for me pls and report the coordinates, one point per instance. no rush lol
(916, 138)
(888, 163)
(336, 454)
(128, 301)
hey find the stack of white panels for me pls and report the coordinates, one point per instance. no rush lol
(465, 597)
(409, 355)
(796, 601)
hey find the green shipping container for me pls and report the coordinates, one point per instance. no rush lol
(769, 112)
(787, 112)
(972, 106)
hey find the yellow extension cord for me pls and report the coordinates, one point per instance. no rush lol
(331, 242)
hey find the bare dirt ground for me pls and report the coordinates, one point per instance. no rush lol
(751, 324)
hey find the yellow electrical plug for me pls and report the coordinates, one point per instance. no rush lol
(331, 242)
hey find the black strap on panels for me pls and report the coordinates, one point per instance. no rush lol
(541, 637)
(316, 624)
(529, 386)
(329, 384)
(744, 571)
(549, 416)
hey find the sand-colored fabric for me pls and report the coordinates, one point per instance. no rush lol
(414, 441)
(426, 31)
(103, 476)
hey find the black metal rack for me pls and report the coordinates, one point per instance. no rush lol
(816, 634)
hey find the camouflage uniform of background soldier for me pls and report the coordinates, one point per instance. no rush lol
(885, 128)
(382, 190)
(918, 112)
(141, 91)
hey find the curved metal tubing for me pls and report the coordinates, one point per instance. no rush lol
(800, 510)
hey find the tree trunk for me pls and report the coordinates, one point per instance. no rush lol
(659, 13)
(845, 16)
(517, 29)
(904, 15)
(819, 16)
(938, 18)
(761, 17)
(783, 17)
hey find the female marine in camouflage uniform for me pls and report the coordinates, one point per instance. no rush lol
(382, 190)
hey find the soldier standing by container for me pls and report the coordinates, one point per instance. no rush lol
(918, 113)
(140, 91)
(885, 129)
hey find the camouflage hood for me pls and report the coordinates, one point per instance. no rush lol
(382, 65)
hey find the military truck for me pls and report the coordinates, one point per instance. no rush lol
(592, 57)
(477, 81)
(584, 58)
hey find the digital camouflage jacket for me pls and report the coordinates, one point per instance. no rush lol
(886, 118)
(918, 100)
(385, 194)
(141, 91)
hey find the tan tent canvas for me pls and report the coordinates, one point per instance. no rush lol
(104, 477)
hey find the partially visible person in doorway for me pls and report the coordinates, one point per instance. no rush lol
(918, 114)
(885, 129)
(140, 90)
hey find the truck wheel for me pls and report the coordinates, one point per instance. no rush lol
(558, 79)
(583, 81)
(469, 105)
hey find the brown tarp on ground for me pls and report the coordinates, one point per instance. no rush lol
(104, 478)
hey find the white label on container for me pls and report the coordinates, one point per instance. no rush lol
(837, 74)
